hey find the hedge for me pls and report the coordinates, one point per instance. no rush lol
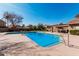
(74, 32)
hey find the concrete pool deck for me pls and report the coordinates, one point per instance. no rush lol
(20, 45)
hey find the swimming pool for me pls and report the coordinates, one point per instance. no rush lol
(44, 39)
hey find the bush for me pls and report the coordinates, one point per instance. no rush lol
(74, 32)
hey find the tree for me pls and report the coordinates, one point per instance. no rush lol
(23, 26)
(41, 27)
(61, 24)
(30, 27)
(77, 16)
(34, 27)
(12, 19)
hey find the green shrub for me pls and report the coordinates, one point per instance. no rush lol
(74, 32)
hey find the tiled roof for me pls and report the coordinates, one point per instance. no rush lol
(61, 25)
(75, 21)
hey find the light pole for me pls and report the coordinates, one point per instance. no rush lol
(68, 34)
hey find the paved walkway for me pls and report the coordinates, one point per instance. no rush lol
(21, 45)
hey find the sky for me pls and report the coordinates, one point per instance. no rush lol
(44, 13)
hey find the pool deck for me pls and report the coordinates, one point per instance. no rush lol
(20, 45)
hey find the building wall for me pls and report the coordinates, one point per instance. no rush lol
(55, 29)
(50, 29)
(59, 28)
(4, 29)
(65, 28)
(74, 27)
(2, 24)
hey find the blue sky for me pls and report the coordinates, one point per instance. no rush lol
(46, 13)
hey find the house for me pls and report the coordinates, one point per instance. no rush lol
(60, 28)
(2, 24)
(71, 25)
(74, 24)
(49, 28)
(3, 27)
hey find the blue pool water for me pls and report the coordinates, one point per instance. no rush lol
(43, 39)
